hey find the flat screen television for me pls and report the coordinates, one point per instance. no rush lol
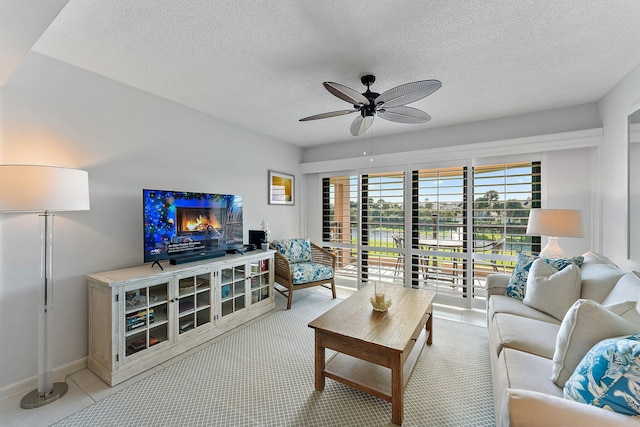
(183, 224)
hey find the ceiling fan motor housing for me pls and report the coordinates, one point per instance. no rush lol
(368, 110)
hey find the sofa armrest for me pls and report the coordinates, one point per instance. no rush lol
(531, 409)
(497, 284)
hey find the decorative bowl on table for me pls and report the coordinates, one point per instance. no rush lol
(380, 302)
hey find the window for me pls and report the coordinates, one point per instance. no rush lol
(382, 226)
(340, 203)
(439, 234)
(463, 224)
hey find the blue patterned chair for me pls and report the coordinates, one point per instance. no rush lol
(301, 264)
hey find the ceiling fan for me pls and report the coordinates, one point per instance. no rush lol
(389, 105)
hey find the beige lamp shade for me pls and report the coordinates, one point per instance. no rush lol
(34, 188)
(555, 222)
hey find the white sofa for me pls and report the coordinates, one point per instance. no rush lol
(523, 341)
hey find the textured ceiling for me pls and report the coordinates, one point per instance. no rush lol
(261, 64)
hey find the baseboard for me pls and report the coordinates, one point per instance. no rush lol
(59, 374)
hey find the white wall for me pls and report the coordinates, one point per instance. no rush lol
(53, 113)
(615, 106)
(584, 116)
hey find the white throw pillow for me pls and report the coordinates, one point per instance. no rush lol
(550, 290)
(628, 310)
(586, 324)
(627, 289)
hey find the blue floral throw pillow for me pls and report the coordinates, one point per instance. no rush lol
(609, 376)
(518, 281)
(295, 250)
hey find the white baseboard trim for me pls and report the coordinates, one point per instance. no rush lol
(59, 375)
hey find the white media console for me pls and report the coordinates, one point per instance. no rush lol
(142, 316)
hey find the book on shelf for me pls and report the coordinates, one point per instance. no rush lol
(138, 319)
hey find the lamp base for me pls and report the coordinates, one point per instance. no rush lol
(552, 250)
(34, 400)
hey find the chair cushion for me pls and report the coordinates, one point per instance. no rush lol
(294, 250)
(305, 272)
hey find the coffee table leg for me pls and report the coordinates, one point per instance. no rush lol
(396, 390)
(319, 363)
(429, 327)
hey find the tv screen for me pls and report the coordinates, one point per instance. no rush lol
(182, 224)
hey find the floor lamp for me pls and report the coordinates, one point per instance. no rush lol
(554, 223)
(43, 190)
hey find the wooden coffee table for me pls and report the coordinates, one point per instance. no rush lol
(376, 350)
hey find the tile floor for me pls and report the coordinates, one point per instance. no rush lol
(86, 388)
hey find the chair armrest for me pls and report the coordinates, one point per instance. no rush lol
(531, 409)
(322, 256)
(283, 267)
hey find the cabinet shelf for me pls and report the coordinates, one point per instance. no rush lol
(155, 325)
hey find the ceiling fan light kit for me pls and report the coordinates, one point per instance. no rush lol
(390, 105)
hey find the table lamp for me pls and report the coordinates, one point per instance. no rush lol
(554, 223)
(43, 189)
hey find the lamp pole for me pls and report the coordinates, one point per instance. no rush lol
(47, 390)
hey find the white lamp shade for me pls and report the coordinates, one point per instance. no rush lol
(34, 188)
(555, 222)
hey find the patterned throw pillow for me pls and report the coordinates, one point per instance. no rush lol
(609, 376)
(518, 280)
(294, 250)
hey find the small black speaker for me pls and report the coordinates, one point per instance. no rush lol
(257, 237)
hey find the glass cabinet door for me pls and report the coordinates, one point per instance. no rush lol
(232, 289)
(260, 289)
(194, 302)
(145, 317)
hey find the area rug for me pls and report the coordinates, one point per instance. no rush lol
(262, 375)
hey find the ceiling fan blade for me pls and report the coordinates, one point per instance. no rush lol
(327, 115)
(360, 125)
(346, 93)
(404, 114)
(408, 93)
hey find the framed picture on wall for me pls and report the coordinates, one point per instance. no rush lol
(281, 188)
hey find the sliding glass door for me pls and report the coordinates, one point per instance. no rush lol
(462, 224)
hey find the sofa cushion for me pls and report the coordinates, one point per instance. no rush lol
(599, 276)
(532, 409)
(521, 333)
(306, 272)
(519, 369)
(552, 291)
(518, 280)
(585, 324)
(505, 304)
(627, 289)
(294, 250)
(609, 376)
